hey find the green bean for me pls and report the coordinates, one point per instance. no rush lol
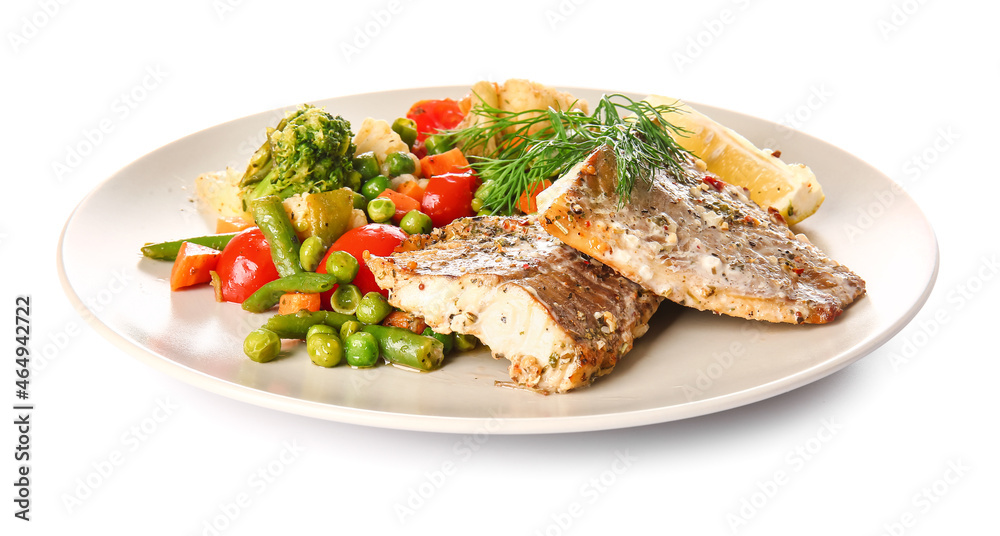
(438, 143)
(464, 343)
(167, 251)
(447, 340)
(296, 325)
(366, 164)
(381, 209)
(262, 345)
(403, 347)
(343, 266)
(311, 253)
(407, 130)
(325, 349)
(349, 328)
(484, 190)
(400, 164)
(373, 308)
(416, 222)
(268, 295)
(270, 216)
(345, 299)
(361, 349)
(319, 328)
(374, 186)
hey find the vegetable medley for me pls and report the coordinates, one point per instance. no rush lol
(293, 229)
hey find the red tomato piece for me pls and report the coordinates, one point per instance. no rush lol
(434, 115)
(376, 238)
(245, 265)
(448, 197)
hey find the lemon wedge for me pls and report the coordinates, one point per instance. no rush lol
(791, 189)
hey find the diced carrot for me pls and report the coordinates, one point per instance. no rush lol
(412, 189)
(527, 202)
(405, 320)
(231, 225)
(293, 302)
(404, 203)
(452, 161)
(193, 265)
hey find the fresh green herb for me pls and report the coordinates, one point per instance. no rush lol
(636, 131)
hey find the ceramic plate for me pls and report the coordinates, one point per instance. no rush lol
(690, 363)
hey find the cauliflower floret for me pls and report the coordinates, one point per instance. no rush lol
(376, 135)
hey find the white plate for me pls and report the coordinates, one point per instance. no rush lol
(690, 363)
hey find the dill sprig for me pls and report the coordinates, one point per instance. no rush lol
(535, 145)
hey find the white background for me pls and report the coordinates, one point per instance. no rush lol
(882, 447)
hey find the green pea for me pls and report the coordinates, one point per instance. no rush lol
(349, 328)
(311, 253)
(464, 343)
(361, 349)
(366, 164)
(343, 266)
(262, 345)
(477, 204)
(416, 222)
(359, 201)
(345, 299)
(373, 308)
(319, 328)
(438, 143)
(325, 349)
(407, 130)
(381, 209)
(400, 164)
(447, 340)
(375, 186)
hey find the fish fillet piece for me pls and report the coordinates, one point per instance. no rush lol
(697, 241)
(561, 319)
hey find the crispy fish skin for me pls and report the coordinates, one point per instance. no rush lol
(699, 242)
(561, 319)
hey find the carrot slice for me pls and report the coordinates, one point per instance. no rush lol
(193, 265)
(411, 189)
(452, 161)
(405, 320)
(404, 203)
(231, 225)
(293, 302)
(526, 203)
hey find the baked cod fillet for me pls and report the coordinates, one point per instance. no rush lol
(561, 319)
(697, 241)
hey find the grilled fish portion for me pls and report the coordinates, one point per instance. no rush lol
(699, 242)
(561, 319)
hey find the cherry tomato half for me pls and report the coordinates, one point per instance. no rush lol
(434, 115)
(449, 197)
(245, 265)
(376, 238)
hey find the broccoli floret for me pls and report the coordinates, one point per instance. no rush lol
(310, 151)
